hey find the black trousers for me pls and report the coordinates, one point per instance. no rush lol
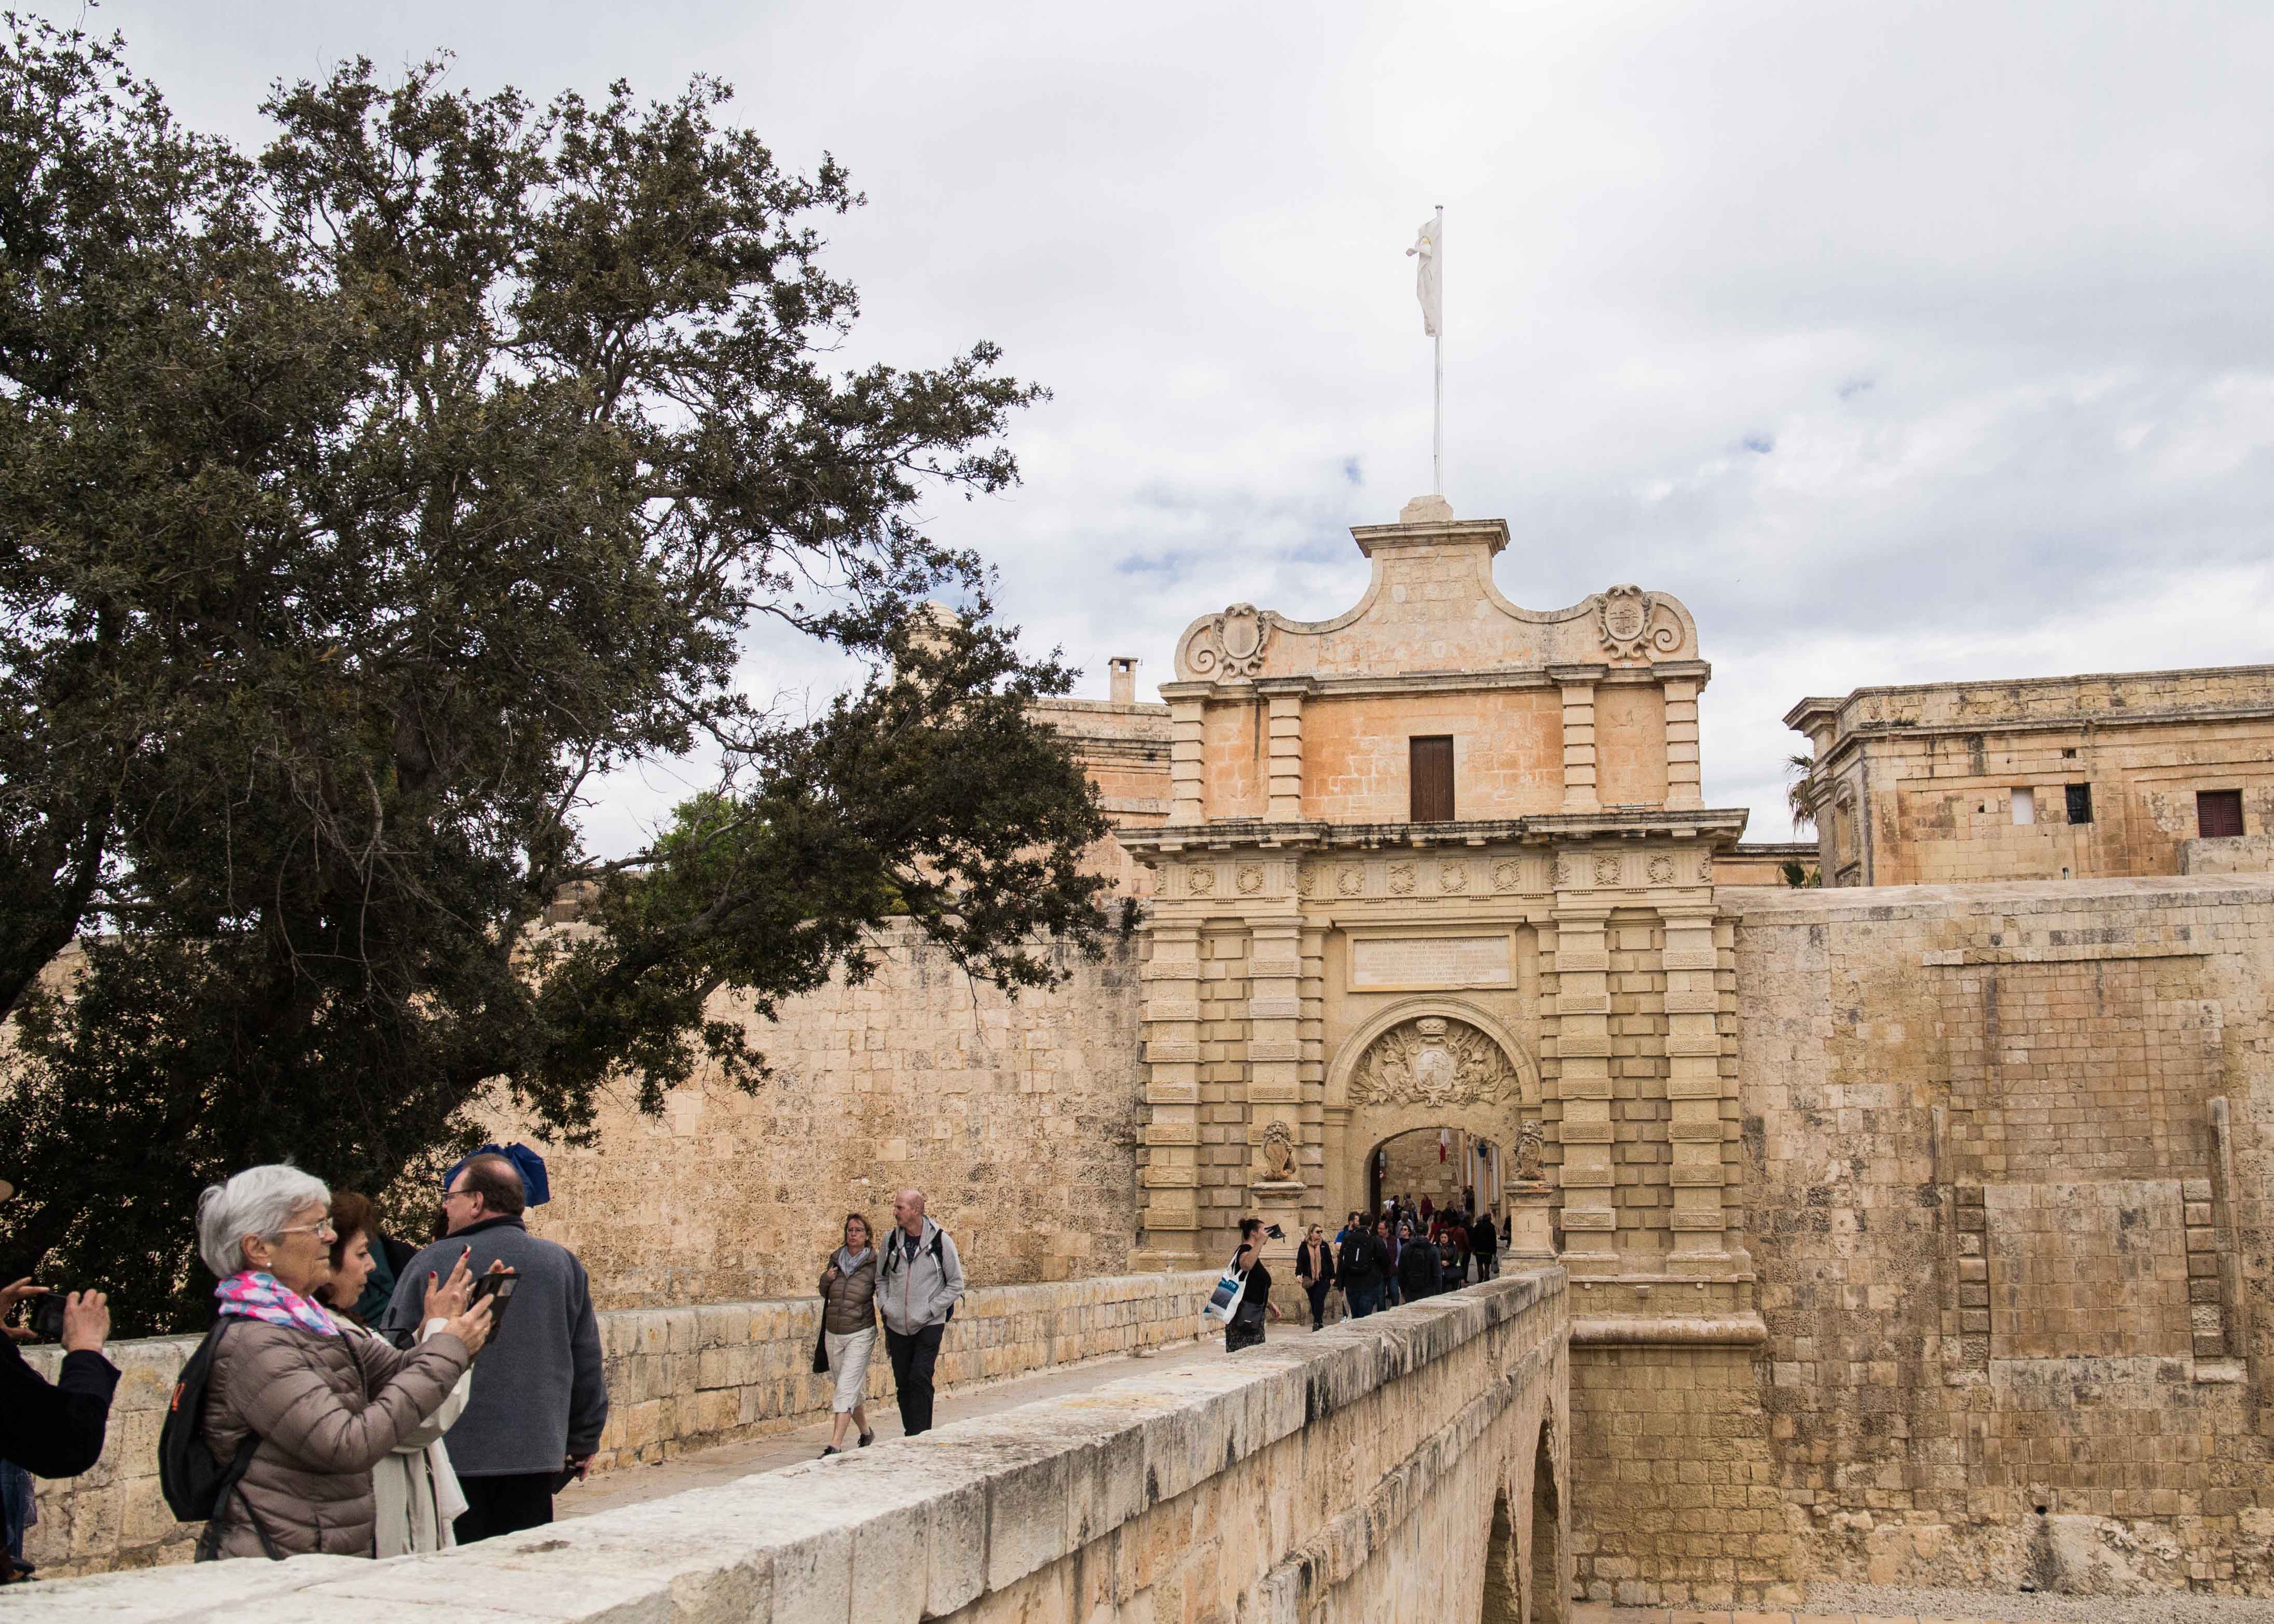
(1317, 1290)
(912, 1355)
(504, 1505)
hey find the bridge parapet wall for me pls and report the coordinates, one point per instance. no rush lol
(1408, 1464)
(679, 1379)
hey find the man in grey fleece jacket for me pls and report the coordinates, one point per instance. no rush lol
(540, 1399)
(919, 1280)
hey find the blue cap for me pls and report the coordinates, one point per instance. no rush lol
(535, 1189)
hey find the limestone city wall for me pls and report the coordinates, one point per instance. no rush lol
(1407, 1465)
(679, 1379)
(1019, 1120)
(2007, 1175)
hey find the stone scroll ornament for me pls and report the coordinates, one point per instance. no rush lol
(1232, 643)
(1626, 622)
(1433, 1060)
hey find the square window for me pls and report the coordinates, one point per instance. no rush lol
(2080, 802)
(2025, 806)
(2219, 813)
(1432, 767)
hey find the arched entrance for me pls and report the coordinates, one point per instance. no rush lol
(1448, 1165)
(1423, 1066)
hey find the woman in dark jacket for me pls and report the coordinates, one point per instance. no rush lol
(848, 1330)
(1315, 1267)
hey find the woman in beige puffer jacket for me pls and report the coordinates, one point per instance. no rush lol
(326, 1407)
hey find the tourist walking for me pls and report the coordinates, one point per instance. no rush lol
(324, 1407)
(1393, 1248)
(1363, 1267)
(918, 1285)
(1245, 1329)
(1417, 1268)
(848, 1330)
(535, 1418)
(1484, 1243)
(1453, 1255)
(415, 1494)
(1315, 1267)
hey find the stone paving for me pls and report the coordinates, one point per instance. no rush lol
(704, 1469)
(1986, 1607)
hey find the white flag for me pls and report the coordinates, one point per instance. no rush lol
(1430, 251)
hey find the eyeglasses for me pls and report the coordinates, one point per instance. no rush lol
(448, 1194)
(322, 1228)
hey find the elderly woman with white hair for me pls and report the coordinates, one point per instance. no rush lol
(324, 1407)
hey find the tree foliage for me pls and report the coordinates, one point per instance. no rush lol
(363, 500)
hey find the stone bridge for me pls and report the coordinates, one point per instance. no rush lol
(1412, 1464)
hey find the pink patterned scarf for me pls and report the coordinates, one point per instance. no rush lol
(255, 1294)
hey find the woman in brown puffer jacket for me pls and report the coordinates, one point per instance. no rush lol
(848, 1330)
(327, 1408)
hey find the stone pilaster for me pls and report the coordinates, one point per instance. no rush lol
(1274, 1041)
(1285, 781)
(1171, 1216)
(1693, 1079)
(1579, 686)
(1312, 1031)
(1684, 787)
(1583, 1052)
(1185, 797)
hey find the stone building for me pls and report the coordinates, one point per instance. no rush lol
(2052, 779)
(1913, 1232)
(1440, 861)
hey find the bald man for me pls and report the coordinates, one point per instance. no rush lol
(918, 1284)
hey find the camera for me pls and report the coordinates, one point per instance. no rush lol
(1274, 1232)
(46, 1317)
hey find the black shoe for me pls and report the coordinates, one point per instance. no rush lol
(831, 1450)
(867, 1438)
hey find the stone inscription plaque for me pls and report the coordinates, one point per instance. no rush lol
(1430, 961)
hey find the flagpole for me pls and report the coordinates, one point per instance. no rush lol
(1438, 446)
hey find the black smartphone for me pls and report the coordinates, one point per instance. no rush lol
(46, 1317)
(498, 1286)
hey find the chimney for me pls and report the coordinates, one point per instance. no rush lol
(1125, 679)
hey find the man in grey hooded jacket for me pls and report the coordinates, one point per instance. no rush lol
(918, 1284)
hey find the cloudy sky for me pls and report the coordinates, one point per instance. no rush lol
(1900, 342)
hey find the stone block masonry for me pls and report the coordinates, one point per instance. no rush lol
(1410, 1465)
(1018, 1118)
(2010, 1149)
(679, 1381)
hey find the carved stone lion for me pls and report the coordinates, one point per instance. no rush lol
(1529, 1147)
(1275, 1156)
(1433, 1060)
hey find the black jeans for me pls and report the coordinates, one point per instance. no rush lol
(1242, 1333)
(1318, 1291)
(503, 1505)
(912, 1355)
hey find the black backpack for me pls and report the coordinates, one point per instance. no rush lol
(197, 1484)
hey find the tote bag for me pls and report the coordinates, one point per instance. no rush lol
(1223, 1301)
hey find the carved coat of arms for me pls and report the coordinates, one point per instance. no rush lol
(1434, 1061)
(1234, 641)
(1625, 621)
